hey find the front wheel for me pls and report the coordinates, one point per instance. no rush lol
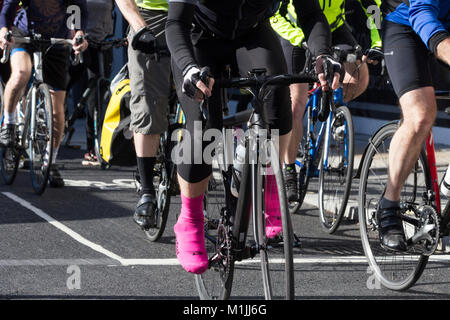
(40, 135)
(395, 270)
(336, 168)
(274, 233)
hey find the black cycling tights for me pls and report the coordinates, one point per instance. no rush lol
(260, 48)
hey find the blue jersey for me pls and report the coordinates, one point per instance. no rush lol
(46, 17)
(426, 17)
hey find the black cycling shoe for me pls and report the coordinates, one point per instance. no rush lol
(8, 136)
(391, 233)
(54, 178)
(290, 179)
(144, 215)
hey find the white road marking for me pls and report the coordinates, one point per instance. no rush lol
(62, 227)
(115, 260)
(307, 260)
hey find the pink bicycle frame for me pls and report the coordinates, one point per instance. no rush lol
(431, 159)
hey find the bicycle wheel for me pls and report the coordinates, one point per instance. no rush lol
(395, 270)
(161, 181)
(276, 255)
(40, 136)
(216, 282)
(9, 157)
(336, 169)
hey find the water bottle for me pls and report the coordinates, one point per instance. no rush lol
(445, 185)
(238, 165)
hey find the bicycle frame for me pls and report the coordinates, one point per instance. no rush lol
(312, 109)
(431, 159)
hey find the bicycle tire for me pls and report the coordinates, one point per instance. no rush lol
(381, 261)
(216, 282)
(162, 182)
(9, 157)
(277, 284)
(42, 149)
(336, 179)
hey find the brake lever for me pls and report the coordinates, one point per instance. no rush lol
(204, 77)
(79, 57)
(7, 51)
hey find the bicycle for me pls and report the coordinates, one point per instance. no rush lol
(327, 147)
(164, 176)
(34, 119)
(423, 220)
(227, 218)
(100, 86)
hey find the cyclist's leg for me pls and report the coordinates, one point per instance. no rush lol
(21, 66)
(150, 87)
(356, 77)
(419, 111)
(404, 50)
(55, 70)
(295, 58)
(193, 171)
(261, 48)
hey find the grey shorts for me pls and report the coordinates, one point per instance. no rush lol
(149, 82)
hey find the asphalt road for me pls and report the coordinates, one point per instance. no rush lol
(81, 242)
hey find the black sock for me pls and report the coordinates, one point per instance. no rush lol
(145, 167)
(386, 204)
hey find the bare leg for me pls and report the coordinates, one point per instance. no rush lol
(419, 112)
(299, 98)
(20, 74)
(58, 116)
(355, 80)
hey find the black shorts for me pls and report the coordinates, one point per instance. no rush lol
(55, 64)
(259, 48)
(296, 56)
(407, 58)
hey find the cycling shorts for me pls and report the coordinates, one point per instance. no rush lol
(258, 48)
(407, 58)
(55, 65)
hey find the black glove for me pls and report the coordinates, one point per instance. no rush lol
(144, 41)
(327, 65)
(191, 76)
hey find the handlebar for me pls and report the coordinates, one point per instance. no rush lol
(260, 80)
(36, 40)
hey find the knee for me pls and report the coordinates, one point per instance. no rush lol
(298, 108)
(18, 79)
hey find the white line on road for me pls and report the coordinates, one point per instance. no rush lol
(313, 259)
(62, 227)
(307, 260)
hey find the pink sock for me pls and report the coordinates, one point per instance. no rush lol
(272, 203)
(190, 236)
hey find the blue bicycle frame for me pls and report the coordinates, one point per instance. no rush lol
(313, 149)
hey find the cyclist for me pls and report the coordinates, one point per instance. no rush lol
(356, 78)
(150, 87)
(99, 26)
(35, 17)
(223, 31)
(410, 32)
